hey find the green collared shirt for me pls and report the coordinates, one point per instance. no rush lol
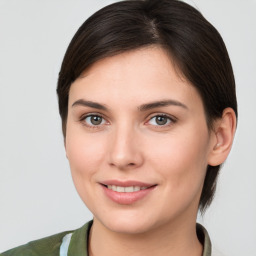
(52, 245)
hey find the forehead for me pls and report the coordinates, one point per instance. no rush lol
(145, 74)
(137, 62)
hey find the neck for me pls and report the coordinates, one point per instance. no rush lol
(177, 239)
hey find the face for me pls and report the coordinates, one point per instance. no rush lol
(137, 142)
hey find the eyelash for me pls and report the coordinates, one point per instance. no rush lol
(171, 120)
(91, 126)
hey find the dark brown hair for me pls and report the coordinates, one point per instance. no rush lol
(194, 45)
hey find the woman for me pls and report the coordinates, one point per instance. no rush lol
(148, 106)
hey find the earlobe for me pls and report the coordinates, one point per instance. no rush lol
(224, 132)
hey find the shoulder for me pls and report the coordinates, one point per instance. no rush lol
(209, 248)
(46, 246)
(51, 245)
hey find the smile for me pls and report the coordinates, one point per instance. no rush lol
(126, 189)
(127, 192)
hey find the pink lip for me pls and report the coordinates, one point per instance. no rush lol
(126, 198)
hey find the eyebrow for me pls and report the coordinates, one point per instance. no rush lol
(87, 103)
(161, 103)
(143, 107)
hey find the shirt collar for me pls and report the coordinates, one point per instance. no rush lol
(78, 247)
(204, 238)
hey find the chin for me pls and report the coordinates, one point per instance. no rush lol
(128, 227)
(128, 223)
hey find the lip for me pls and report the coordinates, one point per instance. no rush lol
(127, 198)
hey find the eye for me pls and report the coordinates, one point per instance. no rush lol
(93, 120)
(160, 120)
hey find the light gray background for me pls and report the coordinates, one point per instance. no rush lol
(37, 197)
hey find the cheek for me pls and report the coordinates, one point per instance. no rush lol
(85, 156)
(182, 161)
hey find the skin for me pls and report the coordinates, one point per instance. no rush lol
(130, 145)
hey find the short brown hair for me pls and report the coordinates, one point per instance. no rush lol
(193, 43)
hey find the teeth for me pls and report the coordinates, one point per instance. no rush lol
(119, 189)
(126, 189)
(136, 188)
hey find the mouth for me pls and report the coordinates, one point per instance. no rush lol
(127, 192)
(129, 189)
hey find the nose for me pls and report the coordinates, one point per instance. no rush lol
(125, 150)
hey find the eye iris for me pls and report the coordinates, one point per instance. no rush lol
(161, 120)
(96, 120)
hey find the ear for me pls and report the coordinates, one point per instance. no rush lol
(223, 135)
